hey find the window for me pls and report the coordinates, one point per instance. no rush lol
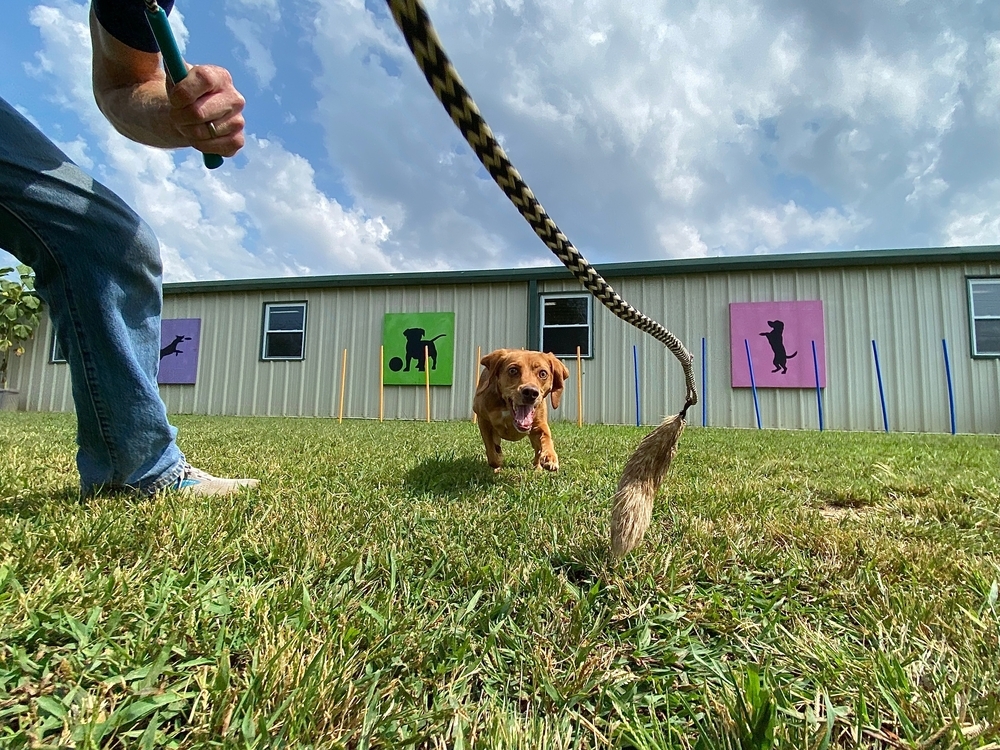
(984, 311)
(284, 330)
(566, 324)
(56, 354)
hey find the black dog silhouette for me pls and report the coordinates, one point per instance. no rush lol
(415, 345)
(171, 348)
(774, 338)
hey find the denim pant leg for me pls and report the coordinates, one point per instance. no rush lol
(97, 266)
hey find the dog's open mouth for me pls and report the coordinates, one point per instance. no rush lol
(524, 416)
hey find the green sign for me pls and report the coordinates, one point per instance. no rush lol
(409, 339)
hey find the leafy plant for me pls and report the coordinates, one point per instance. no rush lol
(20, 312)
(753, 711)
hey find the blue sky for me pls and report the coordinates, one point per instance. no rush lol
(647, 129)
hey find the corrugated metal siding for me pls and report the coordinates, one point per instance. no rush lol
(908, 310)
(233, 380)
(44, 386)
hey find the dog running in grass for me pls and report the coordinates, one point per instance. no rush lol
(510, 402)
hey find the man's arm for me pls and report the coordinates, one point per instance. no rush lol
(137, 97)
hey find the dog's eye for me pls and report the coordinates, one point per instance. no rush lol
(512, 371)
(542, 374)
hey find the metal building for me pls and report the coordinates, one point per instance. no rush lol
(916, 305)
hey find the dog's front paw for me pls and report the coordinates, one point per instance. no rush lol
(548, 461)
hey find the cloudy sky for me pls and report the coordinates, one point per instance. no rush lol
(648, 129)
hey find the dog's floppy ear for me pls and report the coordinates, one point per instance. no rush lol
(491, 362)
(559, 375)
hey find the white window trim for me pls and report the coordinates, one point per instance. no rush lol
(542, 298)
(990, 281)
(53, 360)
(265, 331)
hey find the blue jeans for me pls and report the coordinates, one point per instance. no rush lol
(97, 267)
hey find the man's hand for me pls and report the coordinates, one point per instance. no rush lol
(136, 96)
(207, 109)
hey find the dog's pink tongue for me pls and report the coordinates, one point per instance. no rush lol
(524, 416)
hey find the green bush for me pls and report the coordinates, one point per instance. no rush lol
(20, 312)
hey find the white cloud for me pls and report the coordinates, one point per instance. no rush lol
(988, 103)
(765, 229)
(975, 220)
(65, 54)
(299, 223)
(682, 240)
(742, 126)
(258, 56)
(179, 29)
(77, 151)
(658, 131)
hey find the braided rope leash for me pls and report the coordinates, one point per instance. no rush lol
(632, 505)
(426, 47)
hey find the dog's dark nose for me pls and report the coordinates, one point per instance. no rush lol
(529, 393)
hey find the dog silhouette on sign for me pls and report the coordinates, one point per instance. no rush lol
(775, 337)
(171, 348)
(415, 345)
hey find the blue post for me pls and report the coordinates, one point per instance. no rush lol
(753, 384)
(635, 361)
(881, 390)
(819, 395)
(704, 385)
(951, 391)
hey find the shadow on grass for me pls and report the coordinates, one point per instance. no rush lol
(29, 503)
(449, 476)
(581, 563)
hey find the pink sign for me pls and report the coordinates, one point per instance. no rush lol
(780, 335)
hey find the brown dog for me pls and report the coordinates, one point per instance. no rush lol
(510, 402)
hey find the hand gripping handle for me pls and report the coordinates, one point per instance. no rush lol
(172, 59)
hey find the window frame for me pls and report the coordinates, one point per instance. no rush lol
(970, 281)
(53, 345)
(264, 331)
(545, 296)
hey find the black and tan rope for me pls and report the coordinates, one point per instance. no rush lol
(423, 41)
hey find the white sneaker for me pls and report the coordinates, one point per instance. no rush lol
(198, 482)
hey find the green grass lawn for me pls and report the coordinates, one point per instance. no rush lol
(384, 589)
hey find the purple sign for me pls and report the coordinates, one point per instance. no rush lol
(179, 340)
(780, 335)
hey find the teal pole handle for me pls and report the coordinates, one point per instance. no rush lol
(172, 59)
